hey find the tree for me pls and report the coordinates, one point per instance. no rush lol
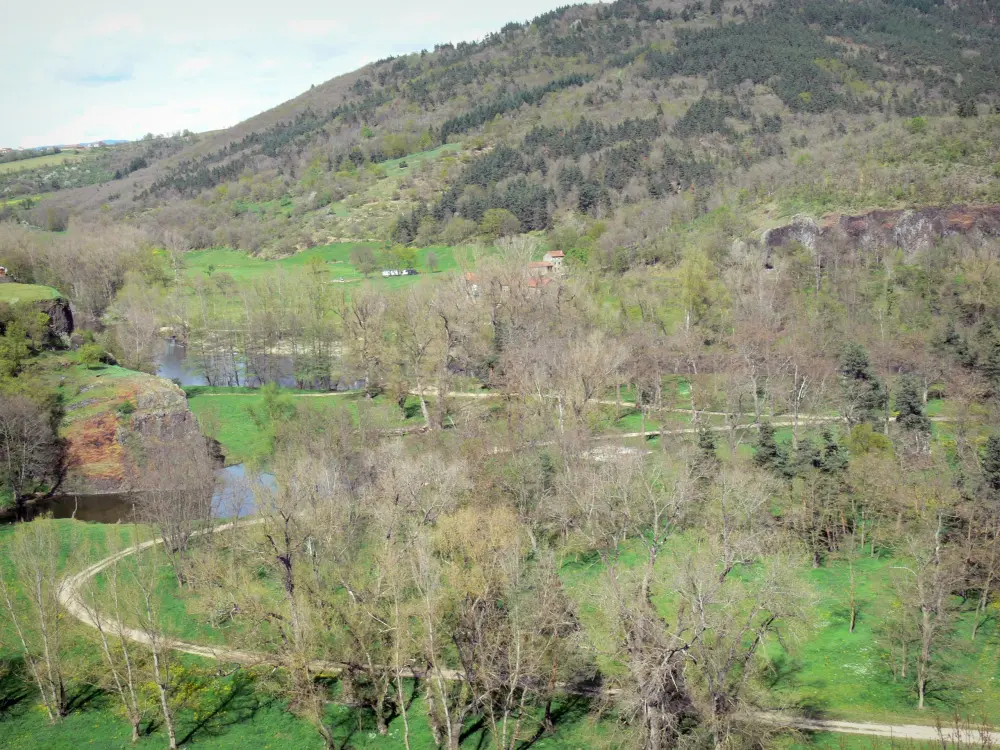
(36, 629)
(172, 490)
(499, 222)
(865, 396)
(432, 262)
(144, 573)
(911, 417)
(91, 355)
(924, 587)
(990, 459)
(108, 608)
(136, 324)
(768, 455)
(29, 450)
(363, 258)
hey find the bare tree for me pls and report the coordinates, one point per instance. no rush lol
(144, 572)
(108, 608)
(34, 613)
(29, 450)
(172, 490)
(924, 587)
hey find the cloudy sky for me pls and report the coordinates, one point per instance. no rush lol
(77, 71)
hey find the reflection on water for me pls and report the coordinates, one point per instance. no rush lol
(173, 364)
(234, 498)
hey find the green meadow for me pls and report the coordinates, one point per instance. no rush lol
(335, 262)
(49, 160)
(12, 293)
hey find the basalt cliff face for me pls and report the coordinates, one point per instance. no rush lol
(911, 230)
(60, 316)
(105, 438)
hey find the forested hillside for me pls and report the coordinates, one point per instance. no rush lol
(598, 108)
(629, 378)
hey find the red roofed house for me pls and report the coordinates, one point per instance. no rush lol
(541, 267)
(538, 283)
(555, 257)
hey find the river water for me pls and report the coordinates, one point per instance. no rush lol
(234, 498)
(173, 364)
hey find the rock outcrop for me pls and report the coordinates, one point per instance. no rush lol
(60, 316)
(106, 433)
(911, 230)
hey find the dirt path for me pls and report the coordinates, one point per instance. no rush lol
(71, 597)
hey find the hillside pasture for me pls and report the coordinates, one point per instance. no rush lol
(13, 293)
(40, 162)
(336, 260)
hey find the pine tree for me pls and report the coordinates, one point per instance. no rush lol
(833, 457)
(991, 465)
(991, 365)
(768, 455)
(910, 406)
(865, 393)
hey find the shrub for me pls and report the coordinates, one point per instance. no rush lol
(91, 355)
(499, 222)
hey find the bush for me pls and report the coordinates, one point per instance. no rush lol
(91, 355)
(457, 231)
(499, 222)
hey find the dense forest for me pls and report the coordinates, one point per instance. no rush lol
(628, 378)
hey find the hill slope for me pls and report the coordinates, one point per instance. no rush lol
(585, 109)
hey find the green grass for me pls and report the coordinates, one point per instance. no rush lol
(830, 672)
(335, 260)
(394, 168)
(49, 160)
(226, 414)
(12, 293)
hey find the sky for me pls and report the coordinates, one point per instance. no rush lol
(76, 72)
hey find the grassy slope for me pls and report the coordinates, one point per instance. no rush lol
(13, 293)
(49, 160)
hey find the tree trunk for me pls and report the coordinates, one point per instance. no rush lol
(168, 719)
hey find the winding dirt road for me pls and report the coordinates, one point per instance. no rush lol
(71, 598)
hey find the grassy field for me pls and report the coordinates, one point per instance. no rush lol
(49, 160)
(229, 414)
(826, 670)
(230, 712)
(12, 293)
(335, 259)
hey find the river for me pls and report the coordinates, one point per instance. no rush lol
(173, 364)
(233, 498)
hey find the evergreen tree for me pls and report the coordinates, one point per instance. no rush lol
(807, 456)
(991, 465)
(865, 394)
(706, 442)
(910, 406)
(991, 365)
(769, 455)
(832, 457)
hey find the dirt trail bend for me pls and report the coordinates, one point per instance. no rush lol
(71, 597)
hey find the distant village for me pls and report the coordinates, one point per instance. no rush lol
(43, 150)
(541, 273)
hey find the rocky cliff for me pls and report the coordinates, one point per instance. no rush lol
(912, 230)
(111, 414)
(60, 316)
